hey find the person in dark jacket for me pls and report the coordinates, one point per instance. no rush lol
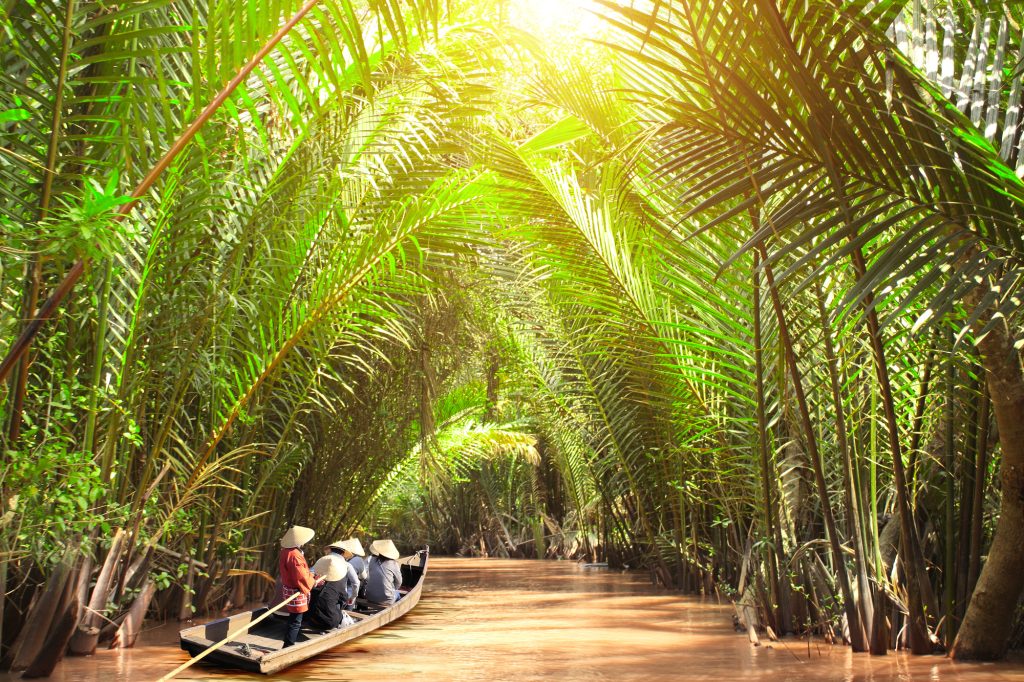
(326, 602)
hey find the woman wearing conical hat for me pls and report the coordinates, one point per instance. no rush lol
(350, 552)
(328, 596)
(385, 576)
(295, 577)
(353, 552)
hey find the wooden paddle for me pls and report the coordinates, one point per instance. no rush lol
(227, 639)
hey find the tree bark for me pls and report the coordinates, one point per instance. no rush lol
(130, 628)
(986, 628)
(56, 643)
(101, 591)
(47, 608)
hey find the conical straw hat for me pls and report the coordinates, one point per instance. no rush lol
(297, 536)
(330, 567)
(351, 545)
(385, 548)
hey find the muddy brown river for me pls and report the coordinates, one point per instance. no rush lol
(491, 619)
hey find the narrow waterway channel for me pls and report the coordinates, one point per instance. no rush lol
(488, 619)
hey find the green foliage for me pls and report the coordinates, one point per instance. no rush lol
(90, 227)
(422, 275)
(59, 493)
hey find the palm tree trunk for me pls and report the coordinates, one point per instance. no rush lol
(852, 616)
(919, 590)
(987, 624)
(911, 552)
(99, 354)
(19, 383)
(967, 490)
(864, 599)
(978, 503)
(915, 431)
(780, 592)
(948, 465)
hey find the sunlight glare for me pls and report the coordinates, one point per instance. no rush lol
(556, 18)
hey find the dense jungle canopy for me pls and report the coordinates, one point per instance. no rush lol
(727, 290)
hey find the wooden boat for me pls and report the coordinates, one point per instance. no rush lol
(259, 649)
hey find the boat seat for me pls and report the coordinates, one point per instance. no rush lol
(371, 608)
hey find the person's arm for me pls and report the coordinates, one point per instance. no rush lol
(300, 570)
(353, 582)
(397, 576)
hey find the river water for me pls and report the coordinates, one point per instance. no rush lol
(491, 619)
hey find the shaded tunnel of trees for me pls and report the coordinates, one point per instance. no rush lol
(729, 293)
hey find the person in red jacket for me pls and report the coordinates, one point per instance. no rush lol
(295, 577)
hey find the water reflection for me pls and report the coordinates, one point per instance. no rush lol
(487, 619)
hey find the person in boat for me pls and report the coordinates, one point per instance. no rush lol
(354, 553)
(384, 575)
(295, 577)
(351, 552)
(326, 601)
